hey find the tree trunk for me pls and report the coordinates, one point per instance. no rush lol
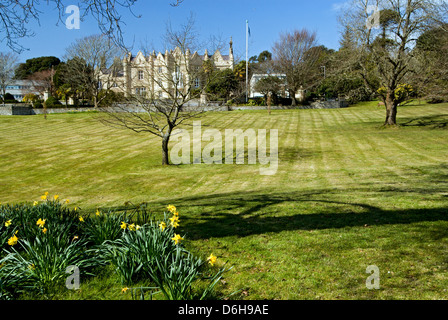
(269, 101)
(391, 110)
(45, 110)
(165, 153)
(3, 94)
(292, 94)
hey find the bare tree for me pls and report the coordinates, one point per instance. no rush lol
(295, 54)
(167, 88)
(387, 43)
(8, 65)
(96, 67)
(42, 82)
(16, 15)
(270, 87)
(431, 71)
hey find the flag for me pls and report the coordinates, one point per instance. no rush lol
(247, 59)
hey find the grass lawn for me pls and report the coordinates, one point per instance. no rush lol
(348, 194)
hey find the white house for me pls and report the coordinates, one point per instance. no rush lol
(20, 88)
(299, 95)
(257, 77)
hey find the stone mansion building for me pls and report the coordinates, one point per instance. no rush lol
(159, 74)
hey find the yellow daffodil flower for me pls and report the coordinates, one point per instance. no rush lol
(123, 225)
(81, 219)
(176, 214)
(41, 223)
(162, 225)
(137, 227)
(43, 198)
(132, 227)
(212, 259)
(75, 238)
(177, 238)
(46, 193)
(44, 230)
(124, 290)
(171, 208)
(13, 240)
(97, 213)
(8, 223)
(35, 203)
(56, 197)
(67, 201)
(175, 221)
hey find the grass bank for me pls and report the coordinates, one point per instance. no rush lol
(347, 194)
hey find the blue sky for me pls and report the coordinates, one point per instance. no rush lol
(223, 18)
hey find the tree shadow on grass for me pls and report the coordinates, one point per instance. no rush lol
(434, 121)
(243, 214)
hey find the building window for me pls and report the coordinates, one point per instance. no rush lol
(178, 80)
(141, 75)
(197, 83)
(141, 91)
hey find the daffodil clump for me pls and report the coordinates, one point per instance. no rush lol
(156, 251)
(36, 242)
(22, 217)
(39, 240)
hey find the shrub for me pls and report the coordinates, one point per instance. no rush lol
(435, 100)
(9, 98)
(52, 102)
(109, 98)
(38, 104)
(253, 102)
(31, 98)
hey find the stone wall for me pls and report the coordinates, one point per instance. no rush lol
(13, 110)
(266, 108)
(331, 104)
(5, 110)
(24, 110)
(60, 110)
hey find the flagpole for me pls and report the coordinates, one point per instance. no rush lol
(247, 61)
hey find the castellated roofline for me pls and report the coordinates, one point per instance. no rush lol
(217, 55)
